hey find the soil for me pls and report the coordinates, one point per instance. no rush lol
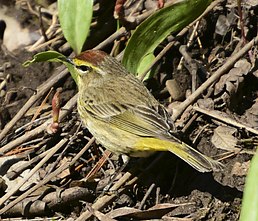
(209, 196)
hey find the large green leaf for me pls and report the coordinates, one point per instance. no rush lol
(149, 34)
(75, 19)
(249, 210)
(145, 63)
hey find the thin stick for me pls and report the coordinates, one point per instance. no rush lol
(180, 34)
(36, 114)
(222, 70)
(225, 119)
(41, 90)
(38, 130)
(119, 33)
(104, 200)
(48, 178)
(33, 171)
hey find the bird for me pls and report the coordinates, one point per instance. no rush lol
(122, 114)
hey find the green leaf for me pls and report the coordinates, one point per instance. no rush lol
(149, 34)
(52, 56)
(249, 211)
(146, 62)
(75, 19)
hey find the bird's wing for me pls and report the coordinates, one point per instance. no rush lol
(142, 120)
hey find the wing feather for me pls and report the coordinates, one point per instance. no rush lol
(140, 120)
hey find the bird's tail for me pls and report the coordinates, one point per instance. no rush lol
(191, 156)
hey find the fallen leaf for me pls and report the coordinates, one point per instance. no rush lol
(156, 211)
(223, 138)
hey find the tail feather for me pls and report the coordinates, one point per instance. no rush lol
(191, 156)
(194, 158)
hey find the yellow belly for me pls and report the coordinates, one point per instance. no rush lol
(115, 140)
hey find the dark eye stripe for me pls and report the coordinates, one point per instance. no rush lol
(83, 68)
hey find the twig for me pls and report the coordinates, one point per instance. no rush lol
(135, 8)
(43, 32)
(226, 120)
(99, 215)
(55, 39)
(35, 132)
(41, 90)
(180, 34)
(222, 70)
(36, 114)
(152, 186)
(190, 64)
(14, 172)
(104, 200)
(50, 30)
(241, 20)
(34, 170)
(48, 178)
(97, 167)
(119, 33)
(35, 206)
(180, 65)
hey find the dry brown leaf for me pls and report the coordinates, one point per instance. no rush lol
(206, 103)
(229, 83)
(102, 217)
(223, 138)
(28, 184)
(251, 115)
(66, 172)
(156, 211)
(224, 22)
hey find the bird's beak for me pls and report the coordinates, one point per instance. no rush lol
(70, 61)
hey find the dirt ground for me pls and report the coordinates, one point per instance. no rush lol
(161, 179)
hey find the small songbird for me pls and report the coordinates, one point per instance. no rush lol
(123, 115)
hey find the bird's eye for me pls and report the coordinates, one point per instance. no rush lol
(83, 68)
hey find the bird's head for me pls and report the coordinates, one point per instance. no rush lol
(94, 65)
